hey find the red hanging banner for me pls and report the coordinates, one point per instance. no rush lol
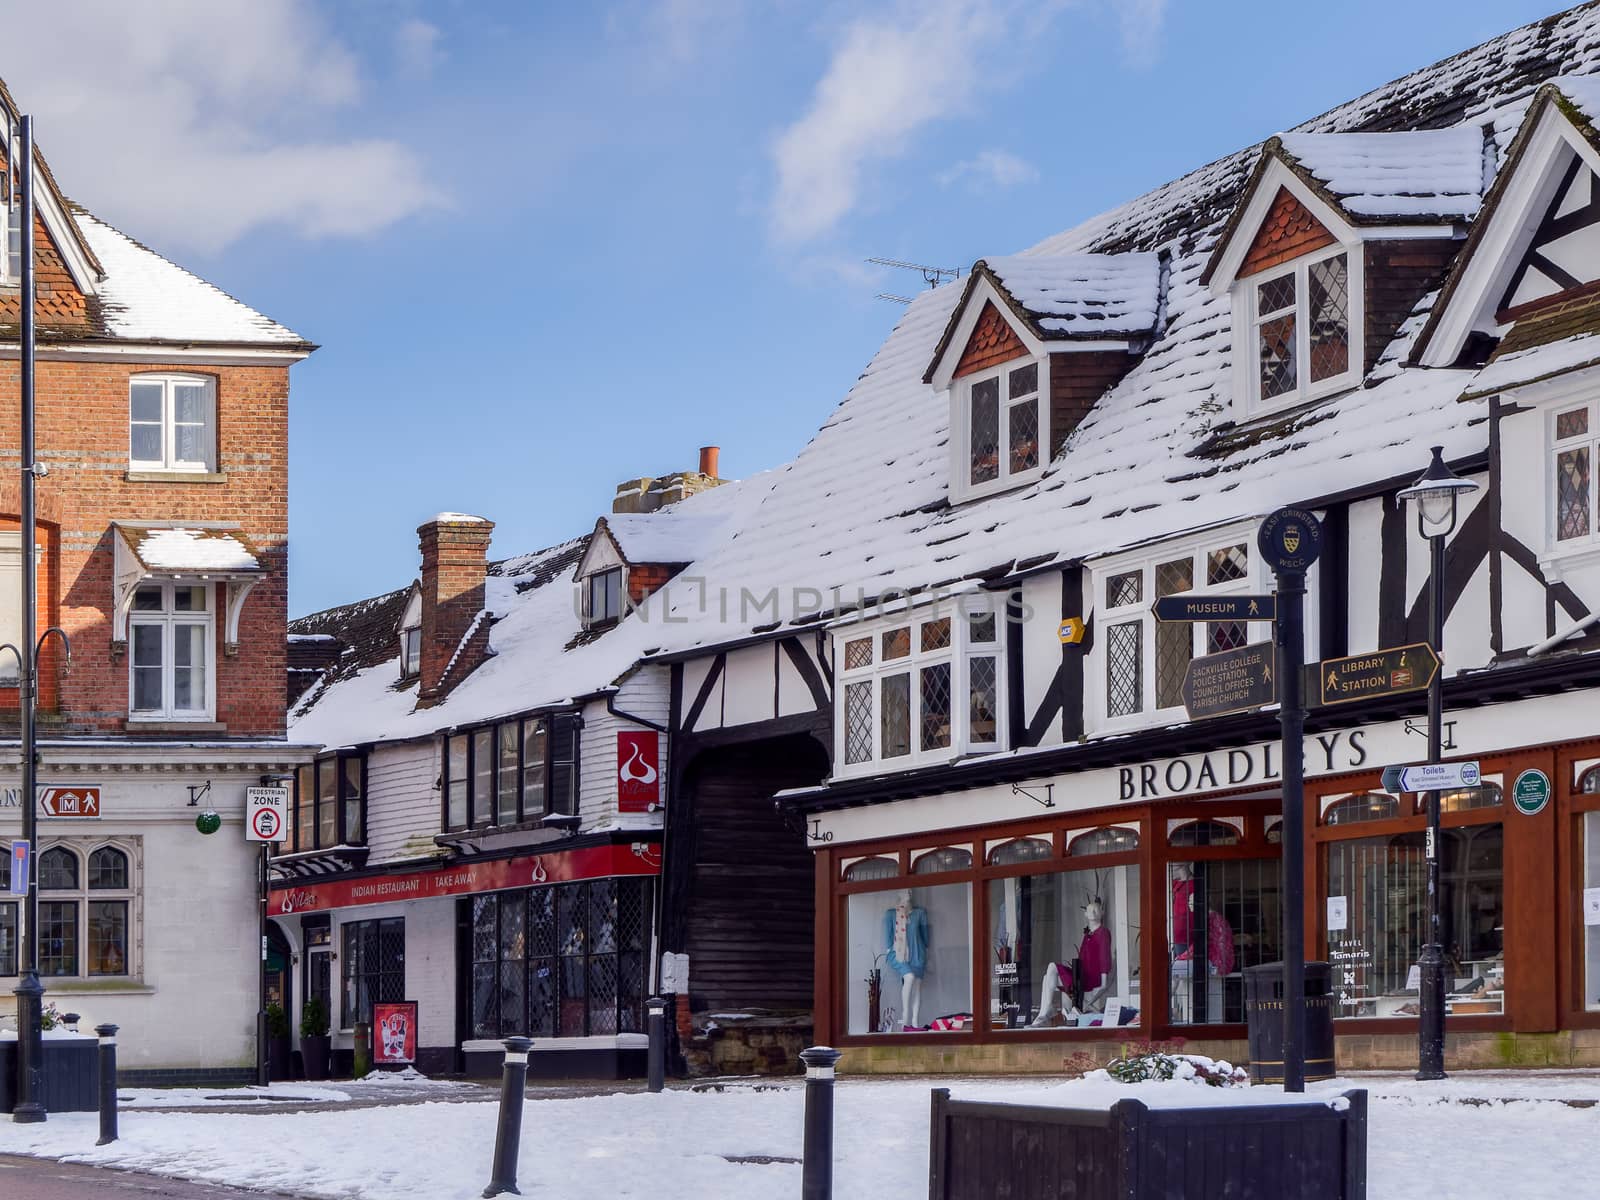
(638, 771)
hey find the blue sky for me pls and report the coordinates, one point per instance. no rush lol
(547, 247)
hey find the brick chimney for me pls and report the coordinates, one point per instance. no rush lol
(648, 493)
(455, 557)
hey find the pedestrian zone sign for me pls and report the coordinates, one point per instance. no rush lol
(266, 813)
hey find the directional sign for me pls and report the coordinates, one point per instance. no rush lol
(1381, 673)
(1071, 631)
(70, 802)
(266, 813)
(1230, 682)
(19, 868)
(1217, 608)
(1432, 777)
(1290, 540)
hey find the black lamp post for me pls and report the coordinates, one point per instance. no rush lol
(1437, 494)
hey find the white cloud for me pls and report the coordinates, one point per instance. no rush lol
(913, 64)
(416, 47)
(991, 169)
(194, 122)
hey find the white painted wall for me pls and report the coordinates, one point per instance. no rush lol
(430, 965)
(1041, 651)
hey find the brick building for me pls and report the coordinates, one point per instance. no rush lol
(162, 417)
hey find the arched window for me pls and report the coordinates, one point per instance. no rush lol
(871, 868)
(1204, 833)
(1109, 840)
(946, 858)
(108, 869)
(1275, 832)
(1019, 850)
(58, 870)
(1487, 796)
(1368, 806)
(1589, 781)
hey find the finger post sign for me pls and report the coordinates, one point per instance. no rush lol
(266, 813)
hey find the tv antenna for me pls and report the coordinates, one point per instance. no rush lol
(933, 276)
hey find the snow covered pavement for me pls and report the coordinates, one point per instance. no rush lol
(1528, 1141)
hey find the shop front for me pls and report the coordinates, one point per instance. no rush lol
(1009, 925)
(551, 945)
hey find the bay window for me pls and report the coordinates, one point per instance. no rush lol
(922, 689)
(1142, 661)
(1000, 424)
(170, 660)
(1301, 328)
(517, 770)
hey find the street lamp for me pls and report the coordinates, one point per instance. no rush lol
(1437, 494)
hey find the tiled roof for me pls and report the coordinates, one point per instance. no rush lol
(1083, 295)
(1425, 174)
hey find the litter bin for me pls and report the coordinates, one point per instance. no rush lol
(1263, 1007)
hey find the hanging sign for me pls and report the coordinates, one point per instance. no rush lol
(266, 813)
(638, 771)
(19, 868)
(1531, 792)
(69, 802)
(394, 1032)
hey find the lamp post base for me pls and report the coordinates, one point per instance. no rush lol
(1430, 1034)
(29, 992)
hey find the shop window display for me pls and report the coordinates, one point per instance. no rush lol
(1065, 949)
(1222, 916)
(1377, 891)
(910, 960)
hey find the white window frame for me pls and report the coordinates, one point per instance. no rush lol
(592, 618)
(959, 653)
(1247, 371)
(1257, 579)
(169, 460)
(962, 487)
(169, 621)
(1552, 449)
(410, 660)
(81, 896)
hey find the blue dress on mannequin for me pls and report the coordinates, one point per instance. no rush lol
(916, 959)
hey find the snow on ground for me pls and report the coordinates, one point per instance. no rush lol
(186, 1097)
(678, 1145)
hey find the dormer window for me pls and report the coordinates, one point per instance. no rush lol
(410, 652)
(604, 597)
(1300, 323)
(1003, 422)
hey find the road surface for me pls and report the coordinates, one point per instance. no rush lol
(41, 1179)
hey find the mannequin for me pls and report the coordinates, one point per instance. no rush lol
(1094, 962)
(1218, 950)
(905, 932)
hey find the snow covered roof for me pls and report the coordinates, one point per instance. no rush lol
(661, 537)
(144, 297)
(1436, 173)
(163, 550)
(1078, 295)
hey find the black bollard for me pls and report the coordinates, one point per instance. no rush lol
(508, 1137)
(108, 1083)
(657, 1027)
(816, 1174)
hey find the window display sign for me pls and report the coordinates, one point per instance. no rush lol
(1338, 913)
(1591, 906)
(394, 1032)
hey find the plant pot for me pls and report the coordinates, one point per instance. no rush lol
(315, 1053)
(280, 1057)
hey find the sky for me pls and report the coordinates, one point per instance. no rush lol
(548, 247)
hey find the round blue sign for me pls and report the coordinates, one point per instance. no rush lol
(1290, 540)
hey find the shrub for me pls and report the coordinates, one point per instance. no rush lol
(314, 1018)
(1156, 1065)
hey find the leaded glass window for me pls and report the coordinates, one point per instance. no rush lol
(984, 715)
(1174, 639)
(373, 965)
(1126, 588)
(1302, 327)
(1124, 669)
(895, 707)
(857, 653)
(946, 858)
(108, 869)
(1020, 850)
(1574, 501)
(1228, 563)
(858, 721)
(1108, 840)
(935, 708)
(1367, 806)
(58, 870)
(985, 444)
(1004, 424)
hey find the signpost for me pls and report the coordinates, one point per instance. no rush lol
(1217, 608)
(266, 816)
(69, 802)
(1233, 681)
(1386, 672)
(1432, 777)
(1289, 541)
(20, 863)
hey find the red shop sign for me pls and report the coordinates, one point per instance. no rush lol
(638, 771)
(529, 870)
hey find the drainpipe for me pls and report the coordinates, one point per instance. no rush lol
(1550, 643)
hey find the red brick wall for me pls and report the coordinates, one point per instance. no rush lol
(61, 304)
(645, 579)
(454, 560)
(1288, 231)
(993, 342)
(82, 436)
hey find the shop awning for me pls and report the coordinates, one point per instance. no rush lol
(181, 554)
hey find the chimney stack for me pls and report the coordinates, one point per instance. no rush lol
(648, 493)
(455, 559)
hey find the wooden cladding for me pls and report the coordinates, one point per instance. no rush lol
(993, 342)
(1288, 231)
(1077, 380)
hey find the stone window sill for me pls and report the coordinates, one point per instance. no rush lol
(136, 726)
(176, 476)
